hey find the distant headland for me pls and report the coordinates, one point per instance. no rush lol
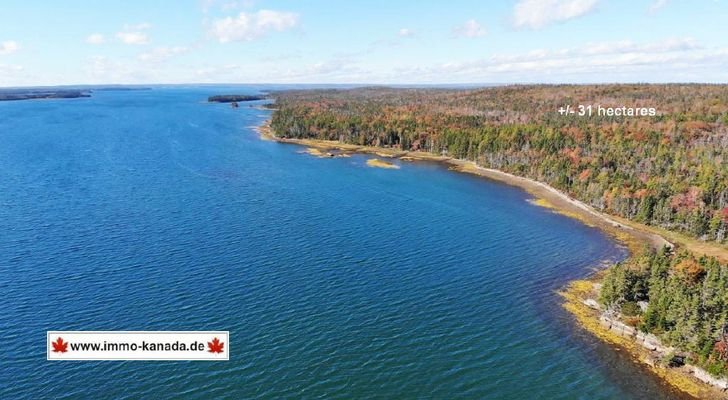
(234, 98)
(60, 92)
(26, 94)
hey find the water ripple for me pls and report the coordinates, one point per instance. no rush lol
(335, 280)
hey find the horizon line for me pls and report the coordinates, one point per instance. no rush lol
(373, 84)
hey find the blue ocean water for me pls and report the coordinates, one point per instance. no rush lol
(153, 210)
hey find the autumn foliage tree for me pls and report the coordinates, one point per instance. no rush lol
(670, 170)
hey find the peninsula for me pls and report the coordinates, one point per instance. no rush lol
(30, 94)
(233, 98)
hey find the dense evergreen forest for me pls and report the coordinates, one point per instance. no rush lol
(669, 170)
(686, 302)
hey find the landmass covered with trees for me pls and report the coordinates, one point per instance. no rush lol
(61, 92)
(30, 94)
(681, 298)
(669, 171)
(233, 98)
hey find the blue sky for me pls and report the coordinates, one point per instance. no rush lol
(418, 42)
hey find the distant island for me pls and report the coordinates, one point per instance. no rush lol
(233, 98)
(25, 94)
(66, 92)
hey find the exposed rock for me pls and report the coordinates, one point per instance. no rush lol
(704, 376)
(591, 303)
(621, 328)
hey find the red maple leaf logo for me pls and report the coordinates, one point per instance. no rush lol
(59, 346)
(215, 346)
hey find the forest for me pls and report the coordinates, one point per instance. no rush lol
(230, 98)
(686, 301)
(32, 94)
(667, 170)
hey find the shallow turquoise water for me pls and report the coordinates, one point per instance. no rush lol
(153, 210)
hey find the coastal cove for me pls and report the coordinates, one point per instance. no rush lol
(335, 278)
(364, 200)
(579, 295)
(631, 234)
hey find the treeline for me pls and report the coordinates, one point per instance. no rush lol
(686, 302)
(31, 94)
(669, 170)
(230, 98)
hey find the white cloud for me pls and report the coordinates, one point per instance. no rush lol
(627, 46)
(406, 32)
(134, 34)
(250, 26)
(656, 6)
(95, 38)
(681, 59)
(100, 69)
(340, 69)
(13, 75)
(603, 49)
(10, 68)
(9, 47)
(536, 14)
(595, 61)
(471, 28)
(161, 54)
(135, 38)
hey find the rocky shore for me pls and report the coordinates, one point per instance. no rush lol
(579, 295)
(666, 362)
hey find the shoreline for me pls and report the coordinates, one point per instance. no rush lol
(632, 234)
(577, 293)
(544, 195)
(578, 300)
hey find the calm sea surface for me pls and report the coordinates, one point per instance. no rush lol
(153, 210)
